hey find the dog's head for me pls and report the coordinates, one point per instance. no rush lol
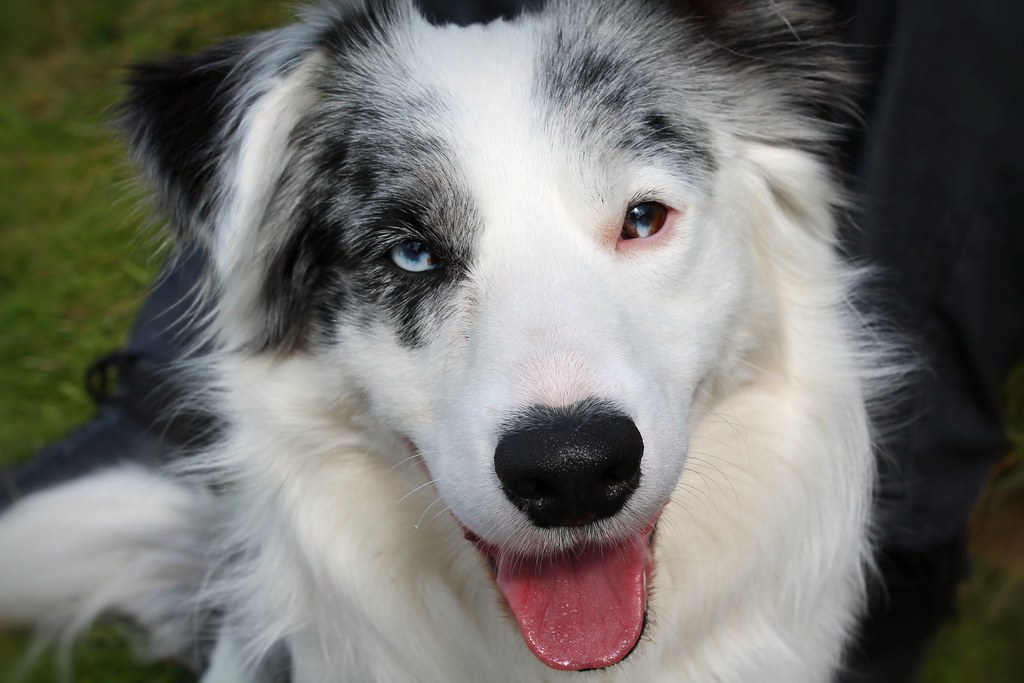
(531, 245)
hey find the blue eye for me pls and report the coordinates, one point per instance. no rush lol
(643, 220)
(414, 257)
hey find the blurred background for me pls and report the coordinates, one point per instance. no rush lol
(75, 263)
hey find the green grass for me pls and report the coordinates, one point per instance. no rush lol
(73, 267)
(986, 641)
(73, 270)
(104, 655)
(984, 644)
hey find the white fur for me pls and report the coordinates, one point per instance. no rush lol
(729, 342)
(123, 541)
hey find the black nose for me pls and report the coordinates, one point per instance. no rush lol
(569, 466)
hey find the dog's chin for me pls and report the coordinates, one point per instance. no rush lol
(584, 607)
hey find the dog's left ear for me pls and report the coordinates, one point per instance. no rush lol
(786, 60)
(789, 51)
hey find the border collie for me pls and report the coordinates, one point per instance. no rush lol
(534, 347)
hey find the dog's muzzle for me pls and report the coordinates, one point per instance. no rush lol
(569, 466)
(583, 606)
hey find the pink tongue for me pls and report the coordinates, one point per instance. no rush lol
(581, 610)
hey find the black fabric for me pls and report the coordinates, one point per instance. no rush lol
(941, 191)
(940, 186)
(144, 414)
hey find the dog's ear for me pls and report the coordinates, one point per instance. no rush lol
(789, 93)
(182, 115)
(215, 134)
(191, 119)
(791, 48)
(211, 133)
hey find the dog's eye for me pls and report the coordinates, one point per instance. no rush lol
(643, 220)
(415, 257)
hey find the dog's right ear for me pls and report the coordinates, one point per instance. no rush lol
(190, 120)
(211, 134)
(214, 133)
(184, 117)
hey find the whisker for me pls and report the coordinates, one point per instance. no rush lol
(438, 513)
(697, 491)
(414, 456)
(426, 510)
(418, 488)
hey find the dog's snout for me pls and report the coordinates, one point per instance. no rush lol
(568, 467)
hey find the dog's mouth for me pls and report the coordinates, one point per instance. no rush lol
(584, 608)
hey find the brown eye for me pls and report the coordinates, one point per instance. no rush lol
(643, 220)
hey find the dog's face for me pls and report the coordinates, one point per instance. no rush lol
(520, 242)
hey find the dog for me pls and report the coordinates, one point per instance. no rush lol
(534, 347)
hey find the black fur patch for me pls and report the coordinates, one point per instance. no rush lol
(368, 220)
(605, 94)
(441, 12)
(591, 83)
(177, 113)
(366, 173)
(357, 201)
(296, 275)
(374, 171)
(543, 416)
